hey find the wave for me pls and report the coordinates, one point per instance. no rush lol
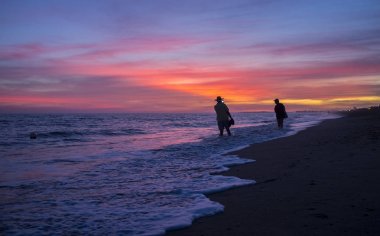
(5, 121)
(74, 133)
(162, 178)
(64, 161)
(120, 132)
(60, 134)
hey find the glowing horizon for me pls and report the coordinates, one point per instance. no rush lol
(177, 56)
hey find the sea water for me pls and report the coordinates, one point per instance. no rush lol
(124, 174)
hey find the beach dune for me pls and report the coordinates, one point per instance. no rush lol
(322, 181)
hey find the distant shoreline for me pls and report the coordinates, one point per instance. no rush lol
(322, 181)
(141, 112)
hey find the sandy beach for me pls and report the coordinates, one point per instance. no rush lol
(322, 181)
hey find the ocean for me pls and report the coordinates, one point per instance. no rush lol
(123, 174)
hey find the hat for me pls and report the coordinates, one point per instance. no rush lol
(218, 98)
(276, 99)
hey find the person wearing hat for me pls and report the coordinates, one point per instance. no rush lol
(280, 111)
(222, 116)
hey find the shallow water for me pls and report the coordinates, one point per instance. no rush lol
(130, 174)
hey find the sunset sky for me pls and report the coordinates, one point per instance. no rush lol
(178, 55)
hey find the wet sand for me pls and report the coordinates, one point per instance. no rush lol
(322, 181)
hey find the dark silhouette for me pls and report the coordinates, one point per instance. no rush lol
(33, 135)
(280, 113)
(223, 116)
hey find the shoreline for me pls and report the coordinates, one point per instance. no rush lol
(321, 181)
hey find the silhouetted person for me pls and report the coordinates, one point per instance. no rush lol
(222, 116)
(280, 113)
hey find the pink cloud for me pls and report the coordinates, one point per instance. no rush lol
(77, 75)
(21, 52)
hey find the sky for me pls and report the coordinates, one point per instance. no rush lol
(178, 55)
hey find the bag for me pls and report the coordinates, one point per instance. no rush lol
(231, 122)
(285, 115)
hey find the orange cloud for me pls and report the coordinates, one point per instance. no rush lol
(114, 77)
